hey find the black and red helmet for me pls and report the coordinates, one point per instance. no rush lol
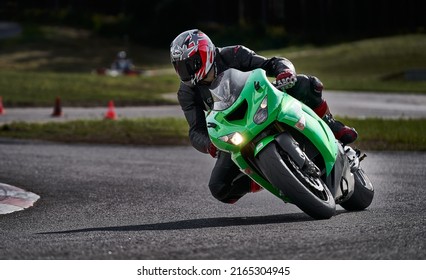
(192, 54)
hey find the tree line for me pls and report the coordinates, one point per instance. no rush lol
(261, 23)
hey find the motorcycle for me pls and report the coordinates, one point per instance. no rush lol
(283, 145)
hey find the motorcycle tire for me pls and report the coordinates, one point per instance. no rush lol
(363, 193)
(310, 194)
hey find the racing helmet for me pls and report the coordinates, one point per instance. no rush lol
(192, 54)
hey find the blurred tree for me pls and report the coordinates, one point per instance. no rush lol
(262, 22)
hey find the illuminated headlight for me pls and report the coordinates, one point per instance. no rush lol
(233, 138)
(262, 112)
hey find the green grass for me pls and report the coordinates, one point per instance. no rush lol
(164, 131)
(22, 89)
(368, 65)
(381, 134)
(375, 134)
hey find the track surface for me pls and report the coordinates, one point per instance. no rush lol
(116, 202)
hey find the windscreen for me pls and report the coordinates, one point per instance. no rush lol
(226, 88)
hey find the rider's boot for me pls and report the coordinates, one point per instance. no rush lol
(343, 133)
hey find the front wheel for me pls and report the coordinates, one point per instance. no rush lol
(363, 193)
(308, 193)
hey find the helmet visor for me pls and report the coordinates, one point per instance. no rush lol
(187, 68)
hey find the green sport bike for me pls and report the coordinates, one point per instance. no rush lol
(284, 146)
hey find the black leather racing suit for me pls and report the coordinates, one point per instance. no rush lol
(227, 182)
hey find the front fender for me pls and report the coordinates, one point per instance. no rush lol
(301, 117)
(263, 143)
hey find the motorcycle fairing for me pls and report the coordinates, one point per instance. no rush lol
(281, 107)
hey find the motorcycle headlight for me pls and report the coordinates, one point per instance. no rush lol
(234, 138)
(262, 112)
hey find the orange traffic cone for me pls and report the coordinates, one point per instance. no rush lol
(110, 114)
(2, 111)
(57, 109)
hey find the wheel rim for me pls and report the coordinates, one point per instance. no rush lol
(314, 185)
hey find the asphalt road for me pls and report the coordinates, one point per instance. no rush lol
(351, 104)
(121, 202)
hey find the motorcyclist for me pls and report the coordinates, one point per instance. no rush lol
(122, 63)
(197, 62)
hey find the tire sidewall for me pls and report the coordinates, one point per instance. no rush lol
(281, 176)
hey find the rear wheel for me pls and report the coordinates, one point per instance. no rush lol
(363, 193)
(306, 191)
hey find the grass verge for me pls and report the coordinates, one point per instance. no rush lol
(389, 135)
(375, 134)
(164, 131)
(26, 89)
(378, 64)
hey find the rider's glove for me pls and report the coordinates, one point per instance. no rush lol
(212, 150)
(286, 79)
